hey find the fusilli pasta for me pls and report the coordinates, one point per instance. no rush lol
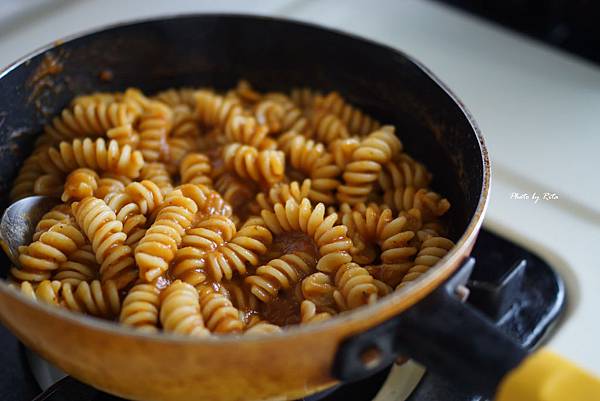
(180, 310)
(96, 155)
(194, 211)
(140, 308)
(106, 234)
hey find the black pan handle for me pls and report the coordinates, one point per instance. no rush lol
(448, 336)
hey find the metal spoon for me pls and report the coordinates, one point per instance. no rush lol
(16, 228)
(19, 221)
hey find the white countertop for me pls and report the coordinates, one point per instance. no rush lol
(538, 109)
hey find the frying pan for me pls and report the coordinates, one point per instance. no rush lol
(424, 320)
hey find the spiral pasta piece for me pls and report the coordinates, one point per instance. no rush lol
(301, 152)
(44, 255)
(45, 291)
(295, 120)
(262, 328)
(177, 149)
(381, 145)
(184, 122)
(318, 288)
(25, 183)
(277, 97)
(313, 160)
(180, 310)
(358, 123)
(80, 184)
(246, 93)
(42, 143)
(106, 234)
(304, 97)
(432, 250)
(189, 265)
(404, 172)
(208, 201)
(140, 308)
(244, 249)
(97, 97)
(342, 150)
(211, 141)
(195, 169)
(265, 166)
(429, 203)
(374, 233)
(246, 130)
(328, 127)
(356, 287)
(28, 174)
(135, 100)
(191, 258)
(146, 194)
(96, 155)
(220, 225)
(93, 118)
(177, 97)
(158, 246)
(96, 298)
(124, 135)
(235, 191)
(155, 125)
(59, 213)
(365, 227)
(390, 274)
(158, 174)
(330, 239)
(109, 183)
(48, 185)
(218, 312)
(128, 213)
(280, 193)
(310, 315)
(213, 110)
(269, 113)
(383, 289)
(394, 240)
(363, 170)
(241, 298)
(280, 273)
(81, 265)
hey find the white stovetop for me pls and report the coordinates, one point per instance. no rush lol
(538, 108)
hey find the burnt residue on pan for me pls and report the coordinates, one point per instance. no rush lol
(106, 75)
(38, 90)
(44, 83)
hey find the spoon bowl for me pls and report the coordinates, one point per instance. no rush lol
(19, 221)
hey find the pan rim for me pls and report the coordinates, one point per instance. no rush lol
(397, 300)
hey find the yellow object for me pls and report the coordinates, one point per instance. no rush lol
(545, 376)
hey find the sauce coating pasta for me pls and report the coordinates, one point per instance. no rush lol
(202, 213)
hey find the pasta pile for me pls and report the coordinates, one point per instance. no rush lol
(198, 213)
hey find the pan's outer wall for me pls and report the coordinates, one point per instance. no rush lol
(216, 51)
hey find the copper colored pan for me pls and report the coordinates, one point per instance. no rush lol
(217, 50)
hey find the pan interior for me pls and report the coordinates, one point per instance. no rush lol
(216, 51)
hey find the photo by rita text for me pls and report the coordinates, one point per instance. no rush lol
(535, 197)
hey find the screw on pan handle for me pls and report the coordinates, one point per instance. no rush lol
(446, 335)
